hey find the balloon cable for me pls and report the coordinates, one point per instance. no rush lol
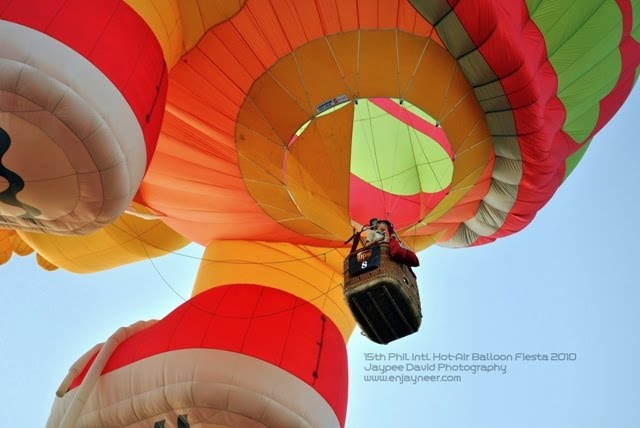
(299, 301)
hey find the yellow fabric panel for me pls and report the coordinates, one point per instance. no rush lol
(419, 243)
(464, 209)
(321, 156)
(444, 93)
(262, 152)
(316, 181)
(320, 73)
(310, 273)
(305, 227)
(318, 172)
(6, 245)
(468, 191)
(430, 83)
(20, 247)
(261, 162)
(460, 213)
(129, 239)
(411, 51)
(180, 24)
(286, 71)
(282, 112)
(251, 121)
(378, 74)
(278, 203)
(344, 47)
(456, 193)
(45, 264)
(163, 17)
(198, 16)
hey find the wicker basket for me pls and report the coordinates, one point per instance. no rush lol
(382, 294)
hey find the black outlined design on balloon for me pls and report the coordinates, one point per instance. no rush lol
(16, 184)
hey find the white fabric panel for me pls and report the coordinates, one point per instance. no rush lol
(486, 95)
(507, 170)
(507, 147)
(501, 195)
(461, 238)
(213, 387)
(486, 220)
(75, 141)
(501, 122)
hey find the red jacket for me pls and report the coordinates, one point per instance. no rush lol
(401, 254)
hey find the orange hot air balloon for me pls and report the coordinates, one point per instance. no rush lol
(285, 125)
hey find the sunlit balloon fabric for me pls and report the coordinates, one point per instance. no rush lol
(241, 96)
(128, 239)
(517, 88)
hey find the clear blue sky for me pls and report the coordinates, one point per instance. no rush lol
(568, 283)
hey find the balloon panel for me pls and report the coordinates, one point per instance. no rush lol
(183, 362)
(554, 90)
(80, 110)
(294, 195)
(313, 274)
(128, 239)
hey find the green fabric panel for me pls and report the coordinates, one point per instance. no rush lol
(635, 19)
(582, 39)
(582, 110)
(532, 6)
(572, 161)
(395, 158)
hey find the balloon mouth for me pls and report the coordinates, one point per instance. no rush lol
(401, 159)
(322, 148)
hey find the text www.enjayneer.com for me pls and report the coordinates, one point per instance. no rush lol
(411, 379)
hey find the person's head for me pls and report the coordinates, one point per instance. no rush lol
(384, 226)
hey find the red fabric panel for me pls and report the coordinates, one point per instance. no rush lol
(402, 255)
(368, 16)
(305, 325)
(35, 14)
(515, 50)
(84, 371)
(332, 370)
(405, 210)
(253, 320)
(414, 121)
(387, 13)
(276, 308)
(530, 83)
(114, 39)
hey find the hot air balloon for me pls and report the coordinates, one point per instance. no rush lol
(266, 131)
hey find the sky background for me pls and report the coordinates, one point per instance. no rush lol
(567, 283)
